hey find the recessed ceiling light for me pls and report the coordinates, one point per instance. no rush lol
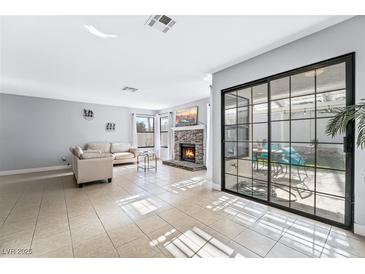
(98, 33)
(160, 22)
(129, 89)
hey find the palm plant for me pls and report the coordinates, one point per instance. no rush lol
(345, 115)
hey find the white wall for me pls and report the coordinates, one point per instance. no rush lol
(37, 132)
(337, 40)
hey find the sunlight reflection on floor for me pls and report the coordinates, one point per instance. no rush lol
(138, 205)
(195, 243)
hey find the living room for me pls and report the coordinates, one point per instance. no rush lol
(120, 138)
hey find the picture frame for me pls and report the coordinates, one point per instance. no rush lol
(186, 117)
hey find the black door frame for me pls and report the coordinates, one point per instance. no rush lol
(349, 146)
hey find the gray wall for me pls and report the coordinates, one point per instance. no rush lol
(37, 132)
(340, 39)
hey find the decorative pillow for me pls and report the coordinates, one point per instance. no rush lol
(78, 151)
(101, 146)
(120, 147)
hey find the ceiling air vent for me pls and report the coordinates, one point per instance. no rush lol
(129, 89)
(162, 23)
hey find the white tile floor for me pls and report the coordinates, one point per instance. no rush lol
(171, 213)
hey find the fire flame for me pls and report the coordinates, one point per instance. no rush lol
(189, 153)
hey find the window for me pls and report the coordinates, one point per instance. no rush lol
(145, 131)
(164, 132)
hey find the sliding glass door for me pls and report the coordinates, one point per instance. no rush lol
(275, 148)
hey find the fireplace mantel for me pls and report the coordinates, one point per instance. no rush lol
(189, 128)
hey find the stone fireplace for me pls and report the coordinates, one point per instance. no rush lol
(188, 148)
(193, 137)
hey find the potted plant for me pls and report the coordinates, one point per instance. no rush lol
(345, 115)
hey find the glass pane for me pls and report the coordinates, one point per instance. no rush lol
(302, 154)
(331, 77)
(280, 131)
(279, 110)
(230, 150)
(280, 194)
(230, 100)
(145, 124)
(259, 152)
(151, 124)
(231, 166)
(321, 132)
(330, 207)
(244, 132)
(302, 83)
(302, 177)
(243, 149)
(303, 130)
(279, 88)
(328, 101)
(231, 182)
(246, 147)
(260, 170)
(302, 107)
(259, 94)
(230, 133)
(259, 133)
(280, 173)
(244, 97)
(302, 200)
(331, 182)
(145, 139)
(164, 139)
(244, 115)
(164, 123)
(230, 117)
(245, 168)
(259, 113)
(280, 152)
(331, 156)
(259, 189)
(245, 186)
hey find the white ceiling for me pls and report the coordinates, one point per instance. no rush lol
(56, 57)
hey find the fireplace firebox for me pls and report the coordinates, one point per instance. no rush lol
(187, 152)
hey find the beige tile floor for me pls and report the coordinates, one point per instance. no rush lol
(171, 213)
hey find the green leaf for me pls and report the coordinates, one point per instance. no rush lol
(343, 116)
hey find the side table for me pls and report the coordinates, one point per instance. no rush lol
(147, 160)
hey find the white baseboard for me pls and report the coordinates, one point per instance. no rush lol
(359, 229)
(216, 187)
(31, 170)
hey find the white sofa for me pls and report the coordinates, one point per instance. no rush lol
(91, 166)
(97, 160)
(122, 153)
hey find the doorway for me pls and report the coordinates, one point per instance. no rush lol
(274, 146)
